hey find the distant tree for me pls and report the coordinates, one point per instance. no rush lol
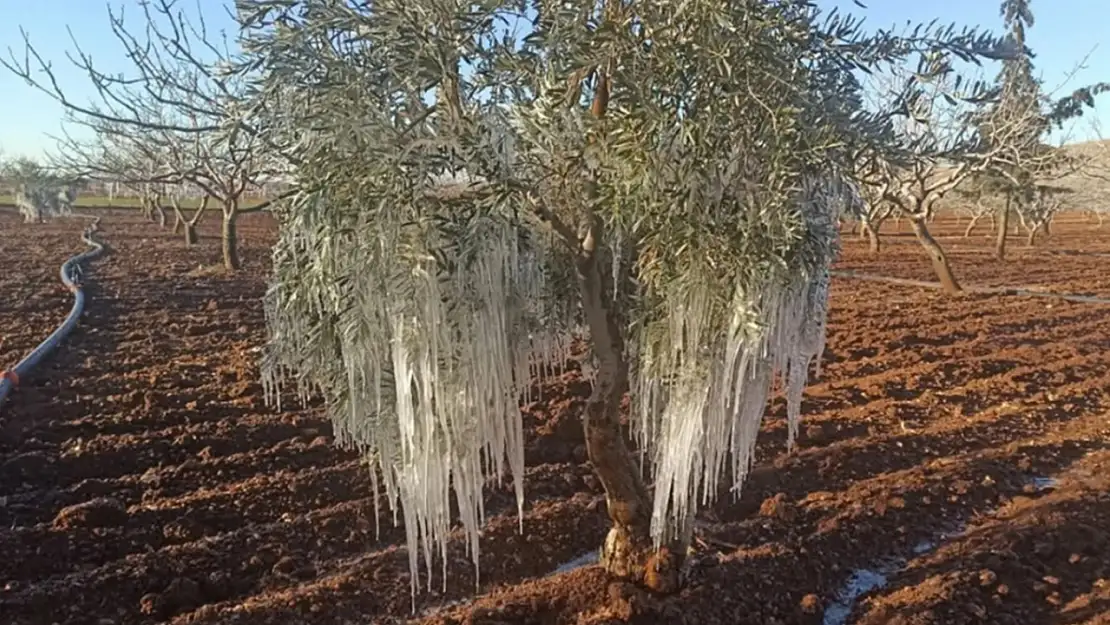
(1017, 125)
(180, 95)
(40, 193)
(943, 151)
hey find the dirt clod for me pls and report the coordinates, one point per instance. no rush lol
(99, 512)
(778, 507)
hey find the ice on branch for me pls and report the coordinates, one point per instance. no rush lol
(429, 348)
(702, 383)
(38, 202)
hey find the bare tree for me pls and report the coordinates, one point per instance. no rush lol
(876, 210)
(1036, 213)
(942, 151)
(40, 192)
(975, 203)
(181, 97)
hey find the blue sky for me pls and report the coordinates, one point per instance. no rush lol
(1061, 38)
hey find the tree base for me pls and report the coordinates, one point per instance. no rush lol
(637, 561)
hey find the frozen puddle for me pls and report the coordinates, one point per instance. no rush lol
(859, 584)
(863, 581)
(1043, 483)
(587, 559)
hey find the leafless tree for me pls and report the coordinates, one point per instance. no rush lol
(1036, 214)
(943, 151)
(975, 204)
(181, 98)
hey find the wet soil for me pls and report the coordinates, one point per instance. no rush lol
(144, 480)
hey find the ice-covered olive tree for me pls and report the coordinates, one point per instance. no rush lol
(479, 182)
(39, 193)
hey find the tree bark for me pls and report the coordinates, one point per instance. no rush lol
(936, 256)
(1003, 229)
(628, 552)
(229, 237)
(161, 215)
(191, 223)
(148, 207)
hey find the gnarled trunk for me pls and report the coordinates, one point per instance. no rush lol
(190, 225)
(936, 256)
(628, 552)
(1031, 235)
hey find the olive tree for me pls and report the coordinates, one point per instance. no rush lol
(664, 179)
(39, 191)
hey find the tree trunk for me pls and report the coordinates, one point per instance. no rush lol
(1031, 237)
(161, 215)
(1003, 230)
(1047, 227)
(191, 223)
(874, 244)
(936, 255)
(178, 221)
(971, 226)
(229, 237)
(628, 552)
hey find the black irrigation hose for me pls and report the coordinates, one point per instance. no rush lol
(988, 290)
(9, 379)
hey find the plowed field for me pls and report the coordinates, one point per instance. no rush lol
(954, 467)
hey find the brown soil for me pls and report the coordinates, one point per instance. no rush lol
(143, 479)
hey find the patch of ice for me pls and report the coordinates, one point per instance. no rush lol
(1043, 483)
(587, 559)
(924, 547)
(860, 583)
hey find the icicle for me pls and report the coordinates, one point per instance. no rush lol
(432, 366)
(702, 381)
